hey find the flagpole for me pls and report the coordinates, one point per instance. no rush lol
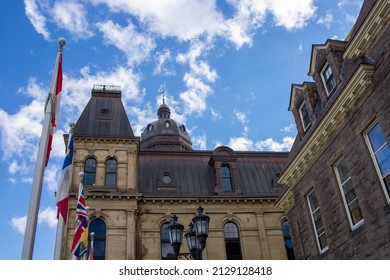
(32, 217)
(59, 245)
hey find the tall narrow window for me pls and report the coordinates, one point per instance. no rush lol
(318, 223)
(305, 119)
(226, 178)
(232, 241)
(98, 226)
(329, 80)
(111, 172)
(287, 240)
(90, 171)
(166, 248)
(350, 199)
(380, 153)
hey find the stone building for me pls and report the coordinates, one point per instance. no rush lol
(133, 186)
(337, 173)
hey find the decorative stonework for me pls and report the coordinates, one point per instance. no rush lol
(327, 128)
(375, 23)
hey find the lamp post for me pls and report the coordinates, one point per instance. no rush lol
(195, 236)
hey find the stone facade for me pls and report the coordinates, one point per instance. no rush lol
(339, 132)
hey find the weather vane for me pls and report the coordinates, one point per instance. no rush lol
(162, 90)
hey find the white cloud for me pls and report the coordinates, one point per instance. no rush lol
(184, 20)
(300, 48)
(163, 58)
(272, 145)
(199, 141)
(37, 19)
(136, 46)
(197, 79)
(51, 177)
(47, 216)
(194, 97)
(13, 167)
(241, 144)
(19, 224)
(288, 128)
(292, 14)
(326, 20)
(215, 115)
(20, 131)
(72, 17)
(240, 116)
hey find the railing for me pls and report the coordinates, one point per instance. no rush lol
(107, 87)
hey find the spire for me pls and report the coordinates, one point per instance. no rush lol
(163, 110)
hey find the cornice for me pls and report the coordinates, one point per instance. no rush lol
(81, 139)
(327, 128)
(286, 201)
(375, 23)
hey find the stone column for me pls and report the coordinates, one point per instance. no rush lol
(131, 232)
(263, 236)
(131, 171)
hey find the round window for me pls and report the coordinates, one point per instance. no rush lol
(166, 179)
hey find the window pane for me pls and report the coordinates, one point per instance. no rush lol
(313, 201)
(377, 139)
(383, 159)
(226, 178)
(350, 197)
(355, 212)
(287, 240)
(230, 230)
(111, 172)
(343, 171)
(167, 252)
(89, 172)
(322, 240)
(330, 82)
(349, 192)
(111, 165)
(232, 241)
(110, 180)
(98, 226)
(305, 116)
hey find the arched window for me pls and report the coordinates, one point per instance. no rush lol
(90, 171)
(111, 171)
(287, 240)
(166, 248)
(232, 241)
(226, 178)
(98, 226)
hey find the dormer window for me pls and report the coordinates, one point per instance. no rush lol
(304, 114)
(328, 79)
(226, 178)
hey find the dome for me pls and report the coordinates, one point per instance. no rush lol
(165, 134)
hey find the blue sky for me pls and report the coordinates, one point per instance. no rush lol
(227, 67)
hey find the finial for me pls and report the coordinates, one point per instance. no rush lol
(161, 90)
(61, 42)
(81, 175)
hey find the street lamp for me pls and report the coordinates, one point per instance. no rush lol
(198, 231)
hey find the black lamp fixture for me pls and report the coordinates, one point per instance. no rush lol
(198, 231)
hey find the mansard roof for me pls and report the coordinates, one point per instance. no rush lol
(192, 175)
(104, 116)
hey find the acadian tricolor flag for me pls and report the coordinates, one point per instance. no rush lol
(54, 118)
(65, 181)
(81, 225)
